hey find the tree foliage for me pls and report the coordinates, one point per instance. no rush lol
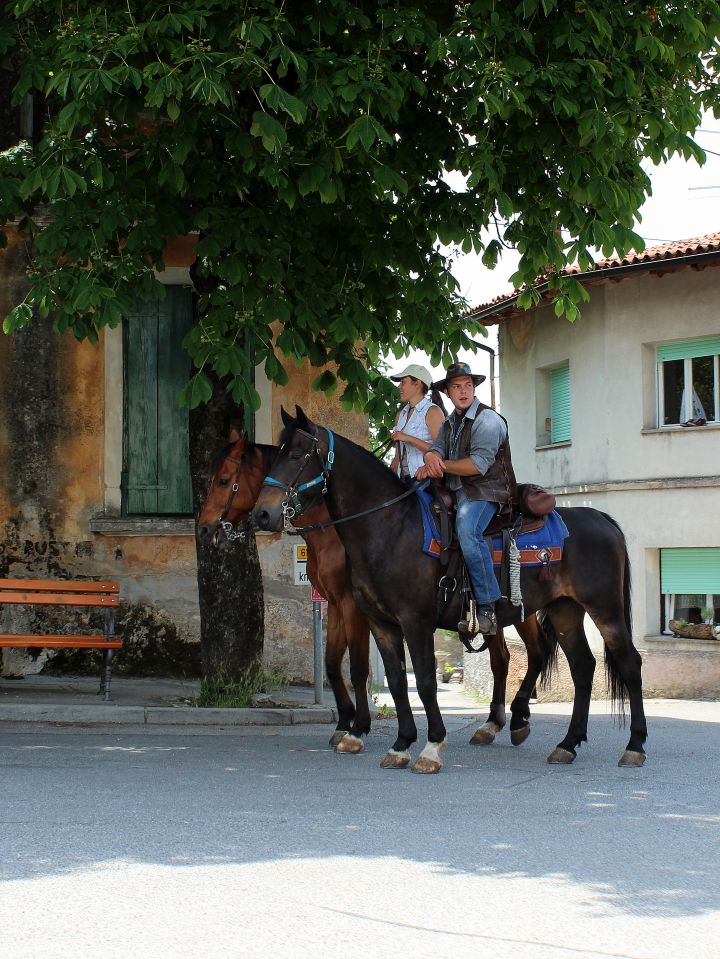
(307, 144)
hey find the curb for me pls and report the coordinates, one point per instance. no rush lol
(109, 714)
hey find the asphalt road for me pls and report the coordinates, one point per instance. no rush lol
(253, 842)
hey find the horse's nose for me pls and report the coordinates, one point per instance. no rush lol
(203, 534)
(261, 518)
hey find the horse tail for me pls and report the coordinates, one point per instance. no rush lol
(616, 685)
(548, 647)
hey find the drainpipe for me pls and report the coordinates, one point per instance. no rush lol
(491, 351)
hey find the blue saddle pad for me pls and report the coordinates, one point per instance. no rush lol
(536, 549)
(431, 533)
(540, 547)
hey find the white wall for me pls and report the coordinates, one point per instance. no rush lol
(661, 485)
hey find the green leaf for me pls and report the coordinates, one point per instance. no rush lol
(272, 133)
(198, 390)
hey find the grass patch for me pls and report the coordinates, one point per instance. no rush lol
(222, 693)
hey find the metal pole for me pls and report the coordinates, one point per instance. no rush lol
(318, 652)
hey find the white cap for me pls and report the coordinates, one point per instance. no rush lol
(417, 372)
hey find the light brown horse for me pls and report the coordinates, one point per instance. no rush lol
(245, 465)
(233, 491)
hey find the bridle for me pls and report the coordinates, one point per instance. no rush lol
(291, 504)
(230, 532)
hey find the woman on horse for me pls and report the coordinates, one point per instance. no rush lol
(417, 422)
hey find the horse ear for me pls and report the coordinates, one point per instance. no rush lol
(301, 418)
(235, 435)
(286, 418)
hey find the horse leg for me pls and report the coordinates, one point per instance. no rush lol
(499, 662)
(334, 652)
(566, 618)
(357, 633)
(389, 639)
(422, 653)
(529, 632)
(624, 669)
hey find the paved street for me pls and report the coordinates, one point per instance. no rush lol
(258, 841)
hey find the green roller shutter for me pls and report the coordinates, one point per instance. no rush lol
(157, 470)
(694, 570)
(688, 349)
(560, 404)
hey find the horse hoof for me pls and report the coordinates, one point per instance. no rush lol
(337, 736)
(518, 736)
(485, 735)
(349, 744)
(631, 758)
(560, 755)
(394, 760)
(423, 764)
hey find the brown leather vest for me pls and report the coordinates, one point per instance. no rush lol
(498, 484)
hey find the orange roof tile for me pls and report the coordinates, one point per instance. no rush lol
(665, 251)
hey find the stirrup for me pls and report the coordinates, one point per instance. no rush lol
(487, 621)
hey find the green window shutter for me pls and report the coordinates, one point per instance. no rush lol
(174, 321)
(157, 466)
(690, 571)
(688, 349)
(141, 419)
(560, 404)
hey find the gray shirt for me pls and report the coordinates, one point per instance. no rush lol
(488, 433)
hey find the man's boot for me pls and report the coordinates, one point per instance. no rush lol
(487, 620)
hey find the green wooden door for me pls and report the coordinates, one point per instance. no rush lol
(157, 469)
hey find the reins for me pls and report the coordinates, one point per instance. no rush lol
(291, 505)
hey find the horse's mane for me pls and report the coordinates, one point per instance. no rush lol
(218, 458)
(383, 470)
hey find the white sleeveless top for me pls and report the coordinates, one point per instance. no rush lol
(412, 422)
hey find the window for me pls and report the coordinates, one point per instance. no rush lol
(560, 404)
(690, 584)
(552, 405)
(689, 382)
(156, 474)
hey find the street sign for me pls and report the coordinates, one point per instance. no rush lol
(300, 564)
(317, 597)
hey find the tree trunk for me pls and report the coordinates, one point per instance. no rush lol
(229, 578)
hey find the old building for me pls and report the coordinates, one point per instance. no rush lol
(95, 481)
(621, 411)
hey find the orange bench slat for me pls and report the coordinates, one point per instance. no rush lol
(59, 599)
(58, 641)
(59, 585)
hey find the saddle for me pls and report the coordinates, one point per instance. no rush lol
(508, 524)
(510, 519)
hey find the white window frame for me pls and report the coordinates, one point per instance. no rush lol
(689, 391)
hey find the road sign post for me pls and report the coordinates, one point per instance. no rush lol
(301, 579)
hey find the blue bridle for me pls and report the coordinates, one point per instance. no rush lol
(291, 505)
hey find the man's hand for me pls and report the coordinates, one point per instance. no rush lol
(434, 466)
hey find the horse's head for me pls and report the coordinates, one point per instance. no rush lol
(238, 473)
(298, 476)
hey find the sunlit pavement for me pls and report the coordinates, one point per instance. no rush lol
(154, 842)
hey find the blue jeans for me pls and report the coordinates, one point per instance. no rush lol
(473, 517)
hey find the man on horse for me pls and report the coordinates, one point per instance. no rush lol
(472, 453)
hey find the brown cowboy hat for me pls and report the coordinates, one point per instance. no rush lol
(455, 370)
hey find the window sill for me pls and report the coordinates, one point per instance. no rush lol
(142, 525)
(553, 446)
(671, 643)
(676, 428)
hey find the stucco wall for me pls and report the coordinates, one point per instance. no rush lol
(661, 485)
(60, 463)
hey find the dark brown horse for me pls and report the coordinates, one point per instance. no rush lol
(245, 465)
(235, 485)
(395, 585)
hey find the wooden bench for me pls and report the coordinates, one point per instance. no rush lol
(62, 592)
